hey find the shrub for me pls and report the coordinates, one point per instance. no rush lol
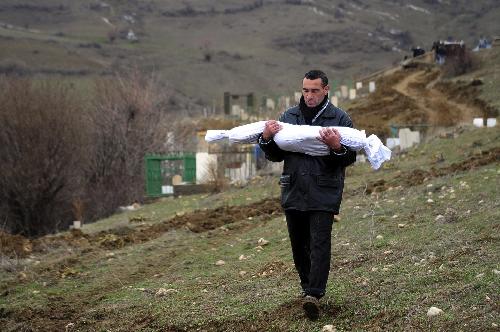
(64, 159)
(40, 145)
(125, 124)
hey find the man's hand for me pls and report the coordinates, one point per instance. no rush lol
(270, 129)
(331, 137)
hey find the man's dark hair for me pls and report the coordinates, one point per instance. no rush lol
(315, 74)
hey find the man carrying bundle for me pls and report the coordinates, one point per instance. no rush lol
(311, 186)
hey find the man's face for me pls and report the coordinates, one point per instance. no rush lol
(313, 91)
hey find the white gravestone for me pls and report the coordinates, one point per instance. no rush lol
(352, 94)
(270, 104)
(491, 122)
(371, 87)
(478, 122)
(335, 101)
(297, 96)
(344, 91)
(408, 138)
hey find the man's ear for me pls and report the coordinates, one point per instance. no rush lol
(326, 88)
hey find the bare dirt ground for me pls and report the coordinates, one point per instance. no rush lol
(417, 96)
(197, 221)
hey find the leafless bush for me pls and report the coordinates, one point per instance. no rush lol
(40, 145)
(180, 135)
(64, 158)
(216, 178)
(126, 123)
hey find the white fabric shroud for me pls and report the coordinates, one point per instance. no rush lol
(304, 139)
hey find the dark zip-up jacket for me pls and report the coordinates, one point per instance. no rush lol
(311, 183)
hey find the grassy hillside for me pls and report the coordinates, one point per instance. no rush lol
(421, 232)
(204, 48)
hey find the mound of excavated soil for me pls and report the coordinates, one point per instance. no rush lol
(14, 245)
(197, 221)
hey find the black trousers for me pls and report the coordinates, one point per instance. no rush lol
(310, 236)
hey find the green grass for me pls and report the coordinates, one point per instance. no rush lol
(375, 283)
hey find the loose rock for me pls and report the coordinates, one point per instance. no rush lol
(434, 311)
(328, 328)
(163, 291)
(220, 262)
(262, 242)
(439, 218)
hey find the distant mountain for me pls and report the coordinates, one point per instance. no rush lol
(203, 48)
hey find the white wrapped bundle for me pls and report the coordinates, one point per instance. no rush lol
(248, 133)
(304, 139)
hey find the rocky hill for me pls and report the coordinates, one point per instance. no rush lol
(203, 48)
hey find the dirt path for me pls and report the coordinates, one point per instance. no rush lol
(402, 86)
(418, 96)
(440, 109)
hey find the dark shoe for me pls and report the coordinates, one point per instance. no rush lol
(311, 307)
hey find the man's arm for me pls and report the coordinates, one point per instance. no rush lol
(346, 157)
(267, 143)
(338, 153)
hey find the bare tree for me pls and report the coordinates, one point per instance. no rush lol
(126, 123)
(64, 158)
(216, 178)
